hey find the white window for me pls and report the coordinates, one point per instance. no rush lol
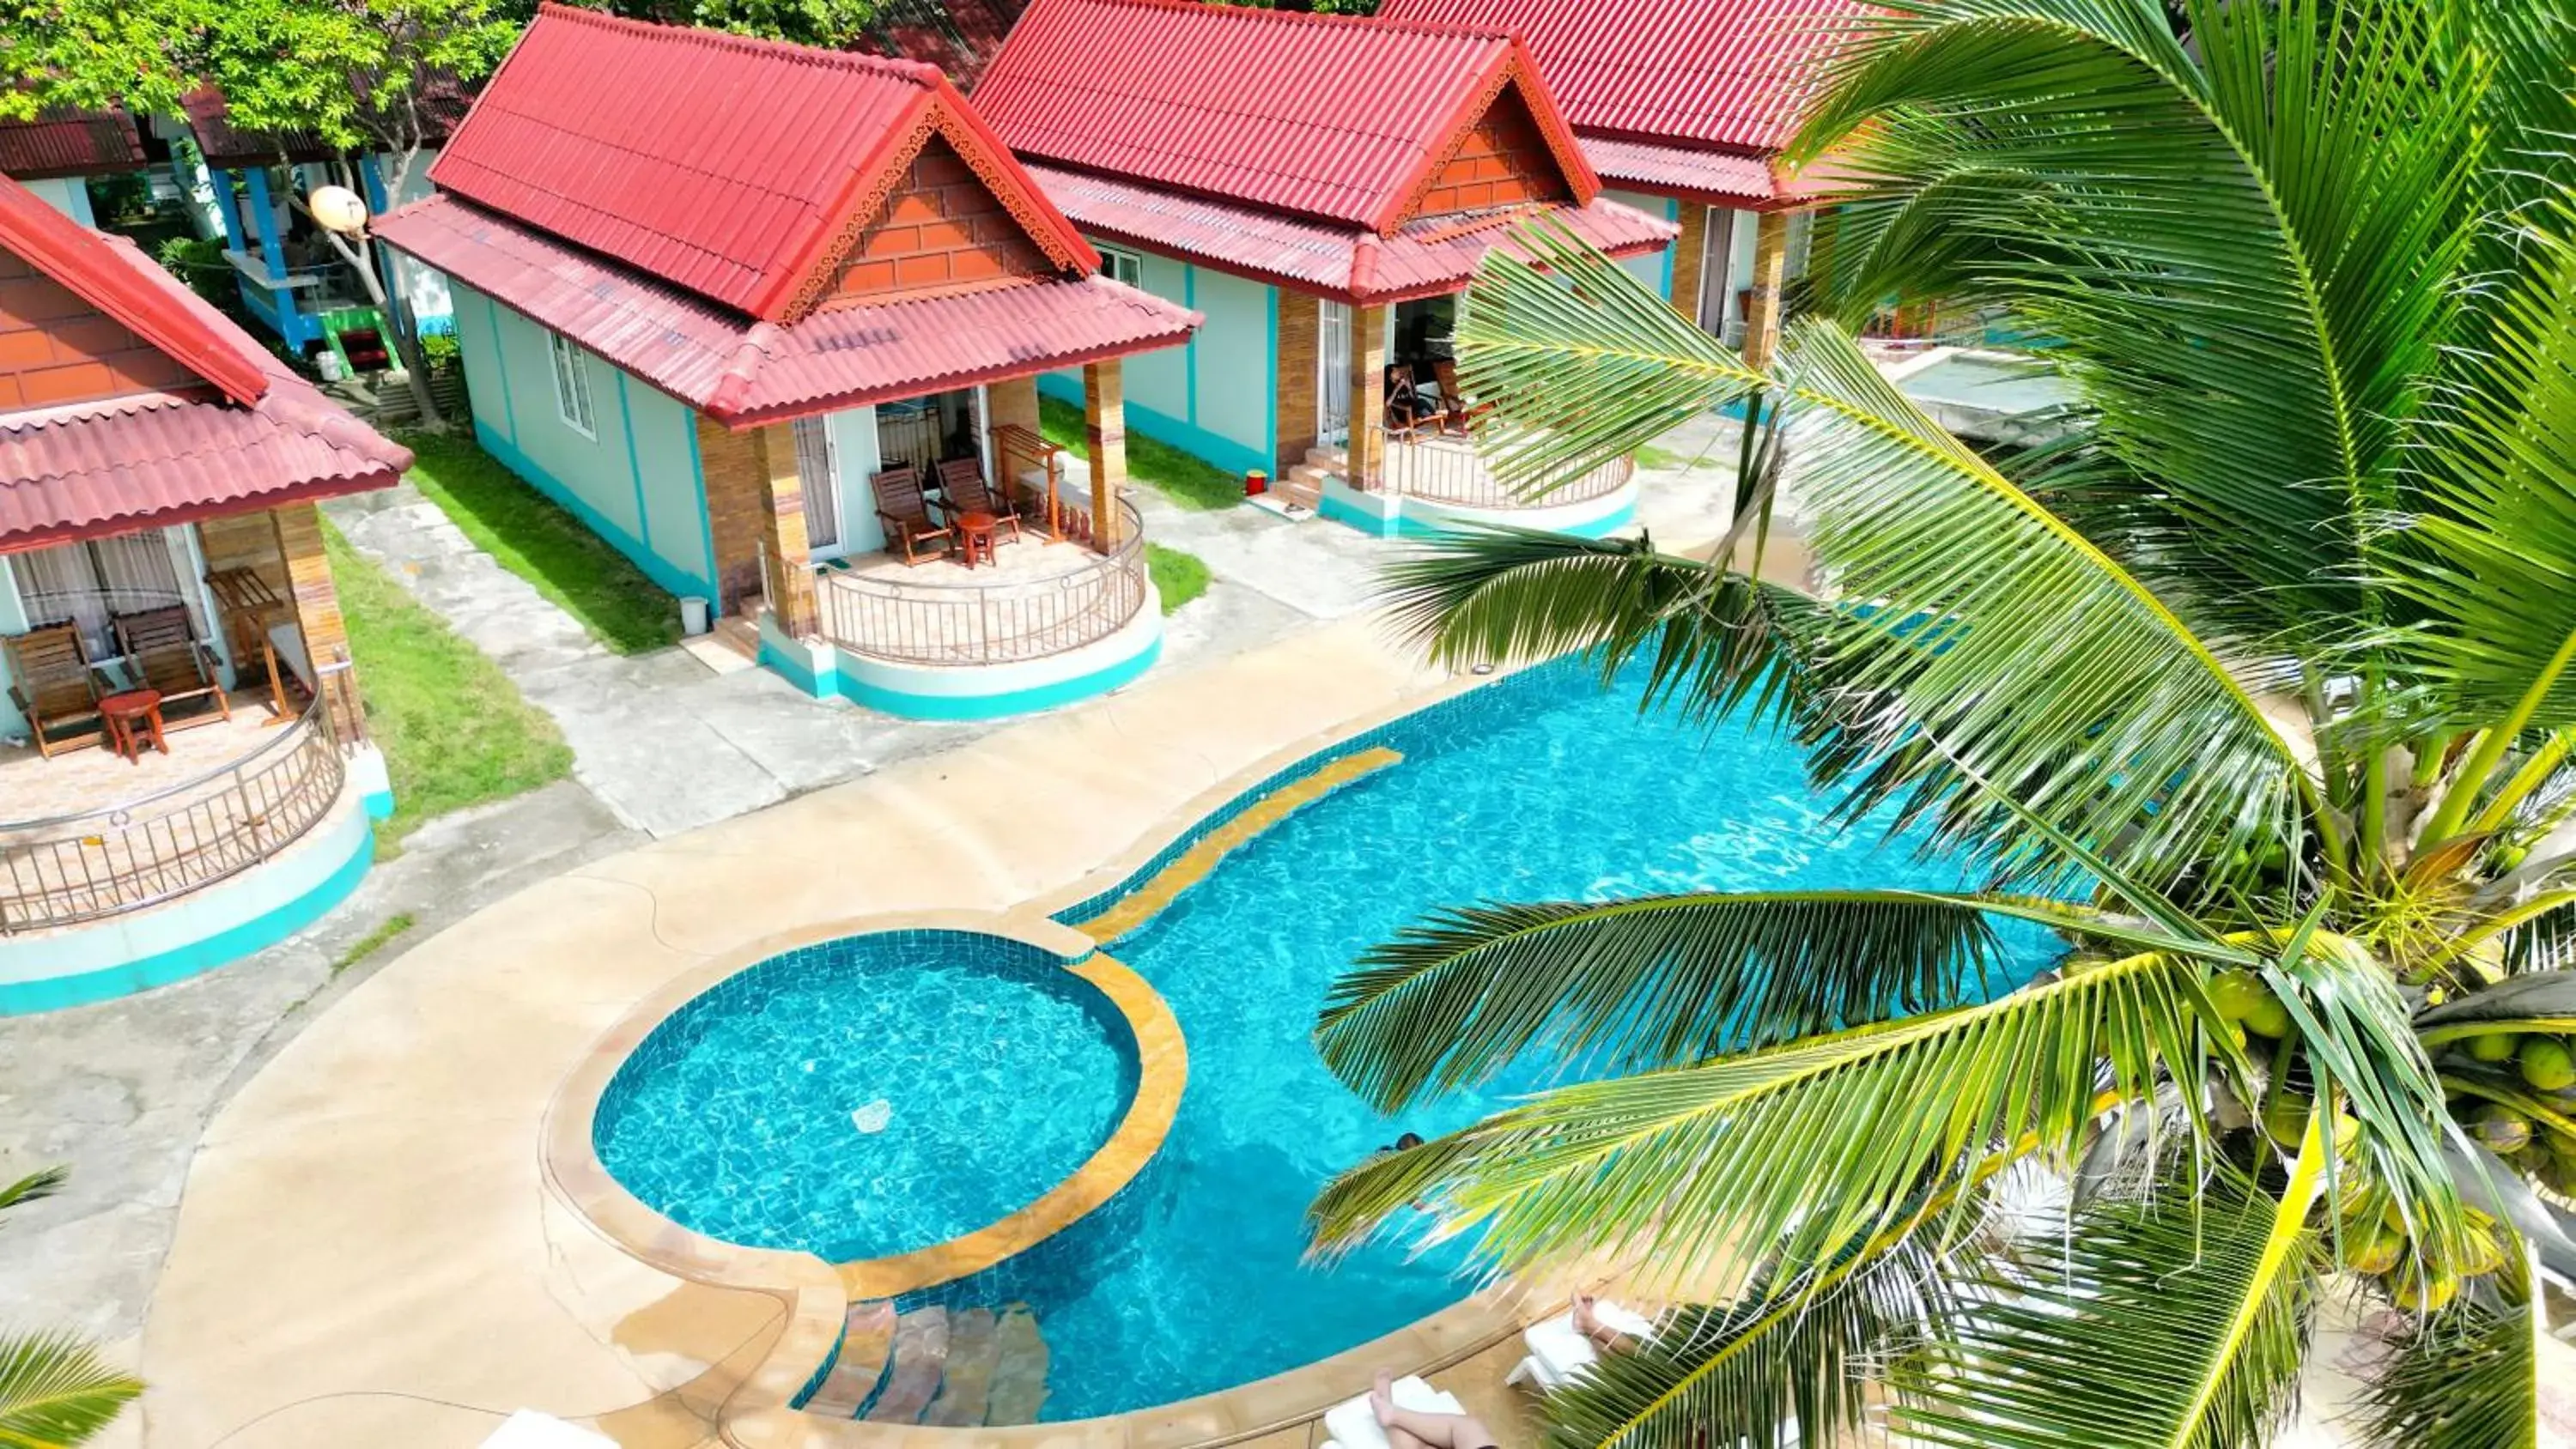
(1120, 266)
(572, 385)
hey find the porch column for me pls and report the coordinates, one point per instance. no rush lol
(316, 601)
(1104, 428)
(1300, 335)
(1770, 265)
(1368, 398)
(1014, 402)
(1690, 253)
(782, 519)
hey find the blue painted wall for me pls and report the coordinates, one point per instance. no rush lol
(1215, 396)
(1655, 269)
(635, 481)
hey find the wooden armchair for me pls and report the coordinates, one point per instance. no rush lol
(164, 654)
(1457, 413)
(905, 514)
(51, 683)
(962, 479)
(1407, 415)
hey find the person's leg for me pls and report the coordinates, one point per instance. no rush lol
(1436, 1431)
(1589, 1324)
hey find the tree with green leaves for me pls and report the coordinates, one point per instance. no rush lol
(366, 77)
(2255, 690)
(55, 1391)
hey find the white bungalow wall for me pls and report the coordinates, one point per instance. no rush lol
(1213, 397)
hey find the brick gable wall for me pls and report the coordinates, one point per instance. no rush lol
(941, 229)
(56, 348)
(1503, 161)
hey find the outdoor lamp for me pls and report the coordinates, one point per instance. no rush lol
(337, 209)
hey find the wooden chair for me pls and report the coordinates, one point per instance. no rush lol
(1407, 415)
(163, 653)
(962, 479)
(51, 683)
(903, 511)
(1456, 411)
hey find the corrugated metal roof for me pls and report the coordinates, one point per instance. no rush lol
(1727, 73)
(1420, 259)
(720, 164)
(740, 371)
(260, 436)
(1333, 118)
(62, 141)
(227, 146)
(1711, 176)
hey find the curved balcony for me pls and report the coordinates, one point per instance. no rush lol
(1037, 600)
(132, 851)
(1445, 468)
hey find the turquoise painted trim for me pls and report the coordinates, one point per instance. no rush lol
(1225, 453)
(25, 998)
(1060, 387)
(1349, 515)
(634, 469)
(637, 552)
(264, 217)
(826, 685)
(500, 363)
(698, 477)
(1270, 400)
(380, 804)
(1398, 525)
(1672, 213)
(227, 210)
(374, 182)
(994, 706)
(1190, 350)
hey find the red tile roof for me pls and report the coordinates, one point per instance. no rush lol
(61, 141)
(741, 371)
(1728, 74)
(1719, 178)
(1329, 118)
(227, 146)
(255, 436)
(1423, 258)
(722, 165)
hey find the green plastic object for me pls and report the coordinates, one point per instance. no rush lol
(339, 319)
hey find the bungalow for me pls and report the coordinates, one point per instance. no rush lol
(1682, 107)
(1321, 188)
(747, 311)
(56, 151)
(163, 588)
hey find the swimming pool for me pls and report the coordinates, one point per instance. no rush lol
(868, 1096)
(1538, 787)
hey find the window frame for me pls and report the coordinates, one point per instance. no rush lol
(1115, 259)
(572, 386)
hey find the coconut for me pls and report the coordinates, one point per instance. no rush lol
(2376, 1253)
(2501, 1128)
(2285, 1118)
(2493, 1047)
(2237, 992)
(2417, 1294)
(2546, 1063)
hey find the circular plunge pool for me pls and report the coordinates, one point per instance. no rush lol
(869, 1096)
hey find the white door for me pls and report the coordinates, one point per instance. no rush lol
(1333, 374)
(818, 477)
(1716, 250)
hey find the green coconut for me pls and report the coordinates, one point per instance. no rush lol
(2376, 1253)
(2285, 1118)
(2419, 1294)
(2547, 1064)
(2237, 992)
(2501, 1128)
(2269, 1018)
(2493, 1047)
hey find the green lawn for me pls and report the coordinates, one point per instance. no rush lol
(453, 728)
(573, 567)
(1178, 577)
(1187, 480)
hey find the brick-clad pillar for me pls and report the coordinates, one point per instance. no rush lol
(1368, 397)
(1014, 403)
(736, 480)
(1690, 254)
(782, 534)
(316, 601)
(1104, 428)
(1770, 267)
(1300, 319)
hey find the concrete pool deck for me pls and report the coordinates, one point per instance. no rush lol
(366, 1252)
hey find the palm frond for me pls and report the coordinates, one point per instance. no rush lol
(2543, 1001)
(1712, 642)
(55, 1391)
(1813, 1146)
(44, 1182)
(1655, 981)
(2465, 1378)
(2181, 1321)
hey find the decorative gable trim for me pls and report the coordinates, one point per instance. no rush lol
(1514, 73)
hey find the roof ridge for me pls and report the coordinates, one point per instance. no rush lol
(815, 55)
(1251, 14)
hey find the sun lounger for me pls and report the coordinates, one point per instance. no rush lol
(1354, 1425)
(1557, 1351)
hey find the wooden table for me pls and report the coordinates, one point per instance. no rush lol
(122, 712)
(975, 536)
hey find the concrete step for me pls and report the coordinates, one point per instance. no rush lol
(1020, 1374)
(1304, 495)
(1331, 460)
(1310, 475)
(867, 1344)
(920, 1362)
(974, 1351)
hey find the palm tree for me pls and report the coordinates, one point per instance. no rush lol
(2255, 689)
(55, 1391)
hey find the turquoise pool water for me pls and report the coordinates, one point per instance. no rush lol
(1540, 787)
(868, 1096)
